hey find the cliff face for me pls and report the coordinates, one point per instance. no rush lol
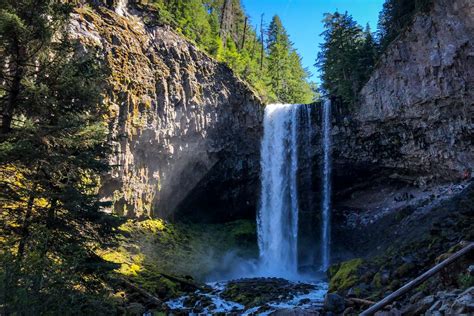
(180, 122)
(416, 111)
(406, 152)
(186, 132)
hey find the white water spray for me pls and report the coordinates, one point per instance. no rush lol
(326, 194)
(277, 219)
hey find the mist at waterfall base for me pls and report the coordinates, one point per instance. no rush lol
(286, 166)
(286, 198)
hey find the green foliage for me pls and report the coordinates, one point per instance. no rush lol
(221, 28)
(377, 280)
(348, 54)
(465, 281)
(154, 246)
(347, 57)
(53, 142)
(395, 16)
(288, 78)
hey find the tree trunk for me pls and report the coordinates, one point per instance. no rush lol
(254, 47)
(49, 223)
(243, 36)
(420, 279)
(226, 16)
(138, 289)
(14, 91)
(26, 222)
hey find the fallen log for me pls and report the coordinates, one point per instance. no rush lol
(184, 282)
(360, 301)
(143, 292)
(420, 279)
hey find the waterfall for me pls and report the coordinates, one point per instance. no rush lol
(326, 194)
(309, 155)
(277, 218)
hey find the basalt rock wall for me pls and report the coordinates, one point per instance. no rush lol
(416, 112)
(180, 122)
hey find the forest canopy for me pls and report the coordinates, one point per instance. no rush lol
(349, 52)
(263, 56)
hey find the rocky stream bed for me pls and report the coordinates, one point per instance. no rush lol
(252, 296)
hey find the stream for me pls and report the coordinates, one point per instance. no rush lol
(253, 296)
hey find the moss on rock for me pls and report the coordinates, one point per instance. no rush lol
(345, 275)
(153, 246)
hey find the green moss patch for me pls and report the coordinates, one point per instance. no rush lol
(345, 275)
(152, 248)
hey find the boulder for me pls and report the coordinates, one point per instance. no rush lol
(464, 303)
(334, 303)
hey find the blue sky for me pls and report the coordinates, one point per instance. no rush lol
(302, 19)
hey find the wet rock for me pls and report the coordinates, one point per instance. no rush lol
(416, 297)
(135, 309)
(191, 300)
(258, 291)
(420, 306)
(409, 309)
(349, 311)
(443, 303)
(391, 312)
(470, 270)
(334, 303)
(295, 312)
(435, 307)
(351, 293)
(464, 303)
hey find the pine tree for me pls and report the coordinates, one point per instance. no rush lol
(26, 30)
(288, 77)
(368, 53)
(221, 28)
(278, 46)
(339, 57)
(395, 15)
(52, 151)
(300, 91)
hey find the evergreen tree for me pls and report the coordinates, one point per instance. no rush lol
(278, 46)
(340, 57)
(395, 15)
(52, 150)
(26, 29)
(347, 57)
(368, 53)
(300, 90)
(349, 54)
(221, 28)
(288, 77)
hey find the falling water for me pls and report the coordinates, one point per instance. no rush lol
(277, 219)
(326, 198)
(309, 154)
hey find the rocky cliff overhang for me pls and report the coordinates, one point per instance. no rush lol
(180, 122)
(407, 150)
(417, 110)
